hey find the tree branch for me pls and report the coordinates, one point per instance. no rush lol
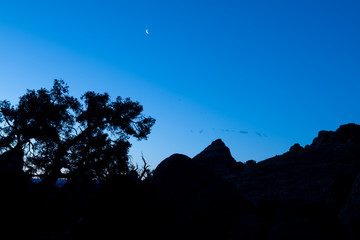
(7, 120)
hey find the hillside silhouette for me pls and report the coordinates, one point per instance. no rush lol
(309, 192)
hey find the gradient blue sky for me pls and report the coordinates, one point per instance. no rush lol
(261, 75)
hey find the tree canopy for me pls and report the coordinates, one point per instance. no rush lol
(60, 133)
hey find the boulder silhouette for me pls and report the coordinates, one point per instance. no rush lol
(198, 202)
(178, 176)
(296, 148)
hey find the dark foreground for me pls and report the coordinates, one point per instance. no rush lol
(310, 192)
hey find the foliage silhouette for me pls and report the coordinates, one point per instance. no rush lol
(58, 133)
(250, 163)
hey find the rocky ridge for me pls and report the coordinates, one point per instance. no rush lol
(306, 193)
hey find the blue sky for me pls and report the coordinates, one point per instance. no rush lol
(261, 75)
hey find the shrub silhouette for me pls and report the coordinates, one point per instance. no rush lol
(58, 133)
(250, 163)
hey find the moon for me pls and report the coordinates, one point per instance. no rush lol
(147, 31)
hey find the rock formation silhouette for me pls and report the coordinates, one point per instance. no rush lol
(306, 193)
(198, 203)
(217, 158)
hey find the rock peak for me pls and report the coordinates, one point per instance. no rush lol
(216, 156)
(217, 144)
(216, 149)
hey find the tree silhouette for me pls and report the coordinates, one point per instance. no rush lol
(59, 133)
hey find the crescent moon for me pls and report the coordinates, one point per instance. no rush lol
(147, 31)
